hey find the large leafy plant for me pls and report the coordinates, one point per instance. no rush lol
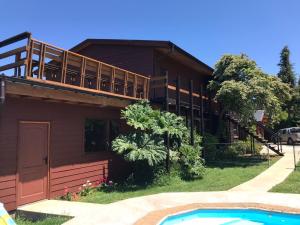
(147, 146)
(151, 127)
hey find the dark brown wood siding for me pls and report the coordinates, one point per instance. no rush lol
(70, 166)
(175, 68)
(133, 58)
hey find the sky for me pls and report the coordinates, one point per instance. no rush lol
(207, 29)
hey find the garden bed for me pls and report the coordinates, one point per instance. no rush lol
(219, 176)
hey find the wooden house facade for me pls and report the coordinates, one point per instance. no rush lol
(60, 109)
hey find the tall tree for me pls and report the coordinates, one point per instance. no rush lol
(286, 73)
(241, 87)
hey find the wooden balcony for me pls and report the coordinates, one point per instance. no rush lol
(44, 63)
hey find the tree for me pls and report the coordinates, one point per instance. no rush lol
(286, 73)
(241, 88)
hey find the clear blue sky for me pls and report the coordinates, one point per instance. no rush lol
(205, 28)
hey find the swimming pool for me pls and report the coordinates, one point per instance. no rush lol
(232, 217)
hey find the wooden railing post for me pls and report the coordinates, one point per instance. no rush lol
(64, 67)
(112, 83)
(82, 72)
(134, 86)
(41, 61)
(27, 67)
(29, 50)
(99, 74)
(126, 83)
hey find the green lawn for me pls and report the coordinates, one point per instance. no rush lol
(218, 177)
(47, 221)
(291, 184)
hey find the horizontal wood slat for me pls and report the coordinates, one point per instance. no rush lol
(12, 65)
(7, 192)
(7, 184)
(77, 171)
(13, 52)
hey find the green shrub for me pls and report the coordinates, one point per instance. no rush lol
(210, 148)
(239, 148)
(162, 178)
(191, 163)
(235, 149)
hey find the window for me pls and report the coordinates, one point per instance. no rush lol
(295, 130)
(99, 134)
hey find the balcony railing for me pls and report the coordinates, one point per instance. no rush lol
(45, 63)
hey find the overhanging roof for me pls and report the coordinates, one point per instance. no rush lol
(166, 47)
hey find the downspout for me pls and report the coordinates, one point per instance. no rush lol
(2, 91)
(2, 96)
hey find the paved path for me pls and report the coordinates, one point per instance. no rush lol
(276, 174)
(128, 211)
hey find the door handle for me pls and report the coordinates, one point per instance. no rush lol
(46, 160)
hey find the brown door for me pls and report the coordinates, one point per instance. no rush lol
(32, 161)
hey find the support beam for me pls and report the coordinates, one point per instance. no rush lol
(178, 107)
(201, 110)
(192, 112)
(166, 92)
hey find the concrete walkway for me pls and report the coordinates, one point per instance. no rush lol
(276, 174)
(128, 211)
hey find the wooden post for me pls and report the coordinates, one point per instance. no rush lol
(82, 72)
(64, 67)
(41, 61)
(168, 152)
(27, 70)
(166, 92)
(144, 88)
(178, 96)
(134, 86)
(126, 83)
(99, 74)
(192, 112)
(112, 83)
(17, 70)
(201, 110)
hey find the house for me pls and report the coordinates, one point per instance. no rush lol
(60, 109)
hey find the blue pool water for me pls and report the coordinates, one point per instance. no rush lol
(232, 217)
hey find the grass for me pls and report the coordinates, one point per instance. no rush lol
(47, 221)
(290, 184)
(218, 177)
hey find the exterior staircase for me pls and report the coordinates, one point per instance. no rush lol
(271, 140)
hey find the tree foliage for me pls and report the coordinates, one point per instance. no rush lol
(241, 87)
(286, 73)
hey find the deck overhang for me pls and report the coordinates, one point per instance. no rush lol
(20, 88)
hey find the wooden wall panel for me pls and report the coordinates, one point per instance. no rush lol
(69, 165)
(133, 58)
